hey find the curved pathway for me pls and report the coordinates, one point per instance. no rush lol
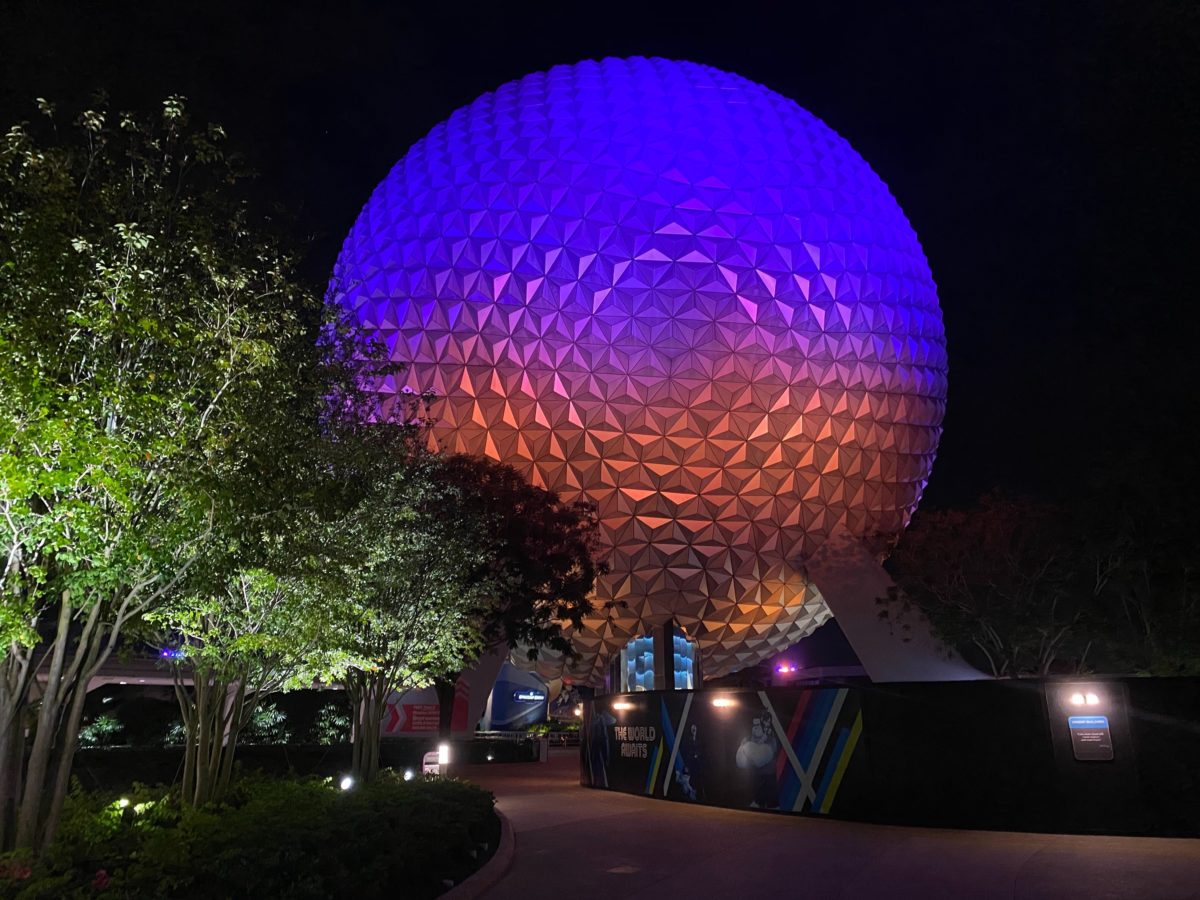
(575, 843)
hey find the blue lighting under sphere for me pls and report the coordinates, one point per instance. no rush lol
(673, 292)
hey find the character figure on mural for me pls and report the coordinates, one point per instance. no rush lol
(563, 706)
(598, 750)
(757, 753)
(692, 780)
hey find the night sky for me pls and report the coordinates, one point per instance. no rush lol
(1046, 153)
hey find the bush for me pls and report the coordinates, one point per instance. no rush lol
(286, 838)
(102, 731)
(268, 725)
(115, 717)
(126, 717)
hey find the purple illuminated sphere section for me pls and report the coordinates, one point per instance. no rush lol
(673, 292)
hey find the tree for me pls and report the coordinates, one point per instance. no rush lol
(542, 572)
(144, 312)
(1002, 582)
(260, 635)
(411, 586)
(274, 627)
(544, 569)
(1136, 519)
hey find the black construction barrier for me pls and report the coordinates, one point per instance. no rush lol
(1098, 755)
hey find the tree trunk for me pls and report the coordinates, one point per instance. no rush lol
(187, 713)
(68, 743)
(214, 711)
(32, 801)
(203, 737)
(56, 730)
(446, 688)
(368, 693)
(14, 687)
(228, 752)
(351, 689)
(236, 712)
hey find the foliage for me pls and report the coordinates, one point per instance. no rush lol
(141, 721)
(1106, 581)
(272, 838)
(410, 590)
(330, 726)
(1001, 582)
(542, 571)
(142, 314)
(1137, 522)
(155, 343)
(268, 725)
(260, 635)
(103, 731)
(276, 626)
(300, 717)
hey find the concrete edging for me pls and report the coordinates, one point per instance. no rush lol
(493, 870)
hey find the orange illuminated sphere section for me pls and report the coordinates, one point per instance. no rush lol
(670, 291)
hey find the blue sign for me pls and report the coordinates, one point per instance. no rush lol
(529, 696)
(1088, 721)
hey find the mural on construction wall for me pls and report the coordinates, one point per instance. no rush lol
(790, 751)
(566, 704)
(418, 711)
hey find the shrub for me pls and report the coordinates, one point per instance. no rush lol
(103, 731)
(285, 838)
(268, 725)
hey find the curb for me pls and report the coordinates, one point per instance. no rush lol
(493, 870)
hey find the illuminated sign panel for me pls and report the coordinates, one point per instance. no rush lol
(529, 696)
(1090, 738)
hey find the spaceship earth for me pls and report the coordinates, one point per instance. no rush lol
(670, 291)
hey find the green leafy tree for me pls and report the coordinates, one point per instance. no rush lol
(272, 628)
(145, 317)
(260, 635)
(410, 591)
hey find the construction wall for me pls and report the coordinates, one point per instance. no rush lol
(1115, 756)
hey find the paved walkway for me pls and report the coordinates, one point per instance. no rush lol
(575, 843)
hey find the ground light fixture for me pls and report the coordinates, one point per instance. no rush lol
(408, 775)
(346, 783)
(723, 702)
(621, 705)
(443, 754)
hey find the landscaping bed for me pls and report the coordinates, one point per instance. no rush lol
(271, 838)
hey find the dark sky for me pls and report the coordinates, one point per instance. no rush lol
(1047, 154)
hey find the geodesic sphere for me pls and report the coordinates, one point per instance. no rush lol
(671, 291)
